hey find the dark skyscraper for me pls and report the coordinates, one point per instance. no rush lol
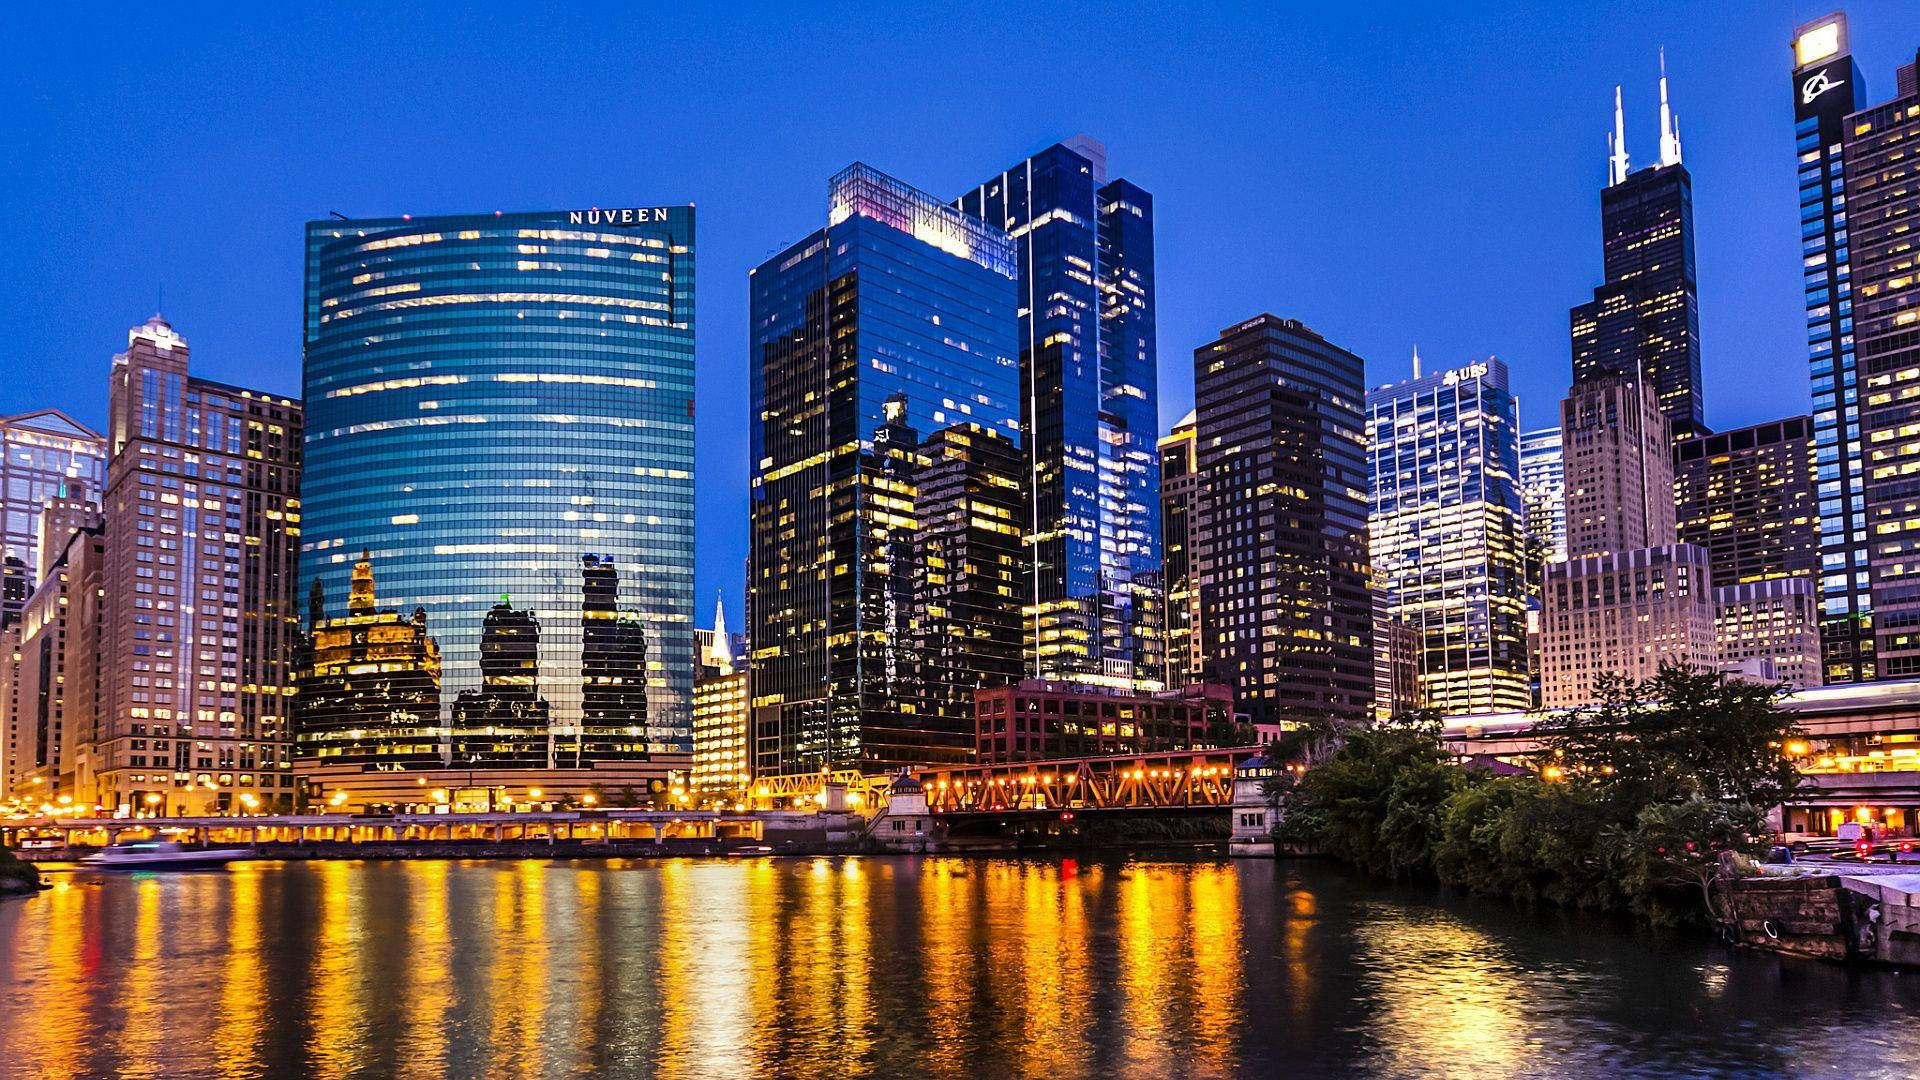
(1283, 551)
(1084, 246)
(1747, 497)
(1882, 159)
(1644, 320)
(896, 319)
(1181, 525)
(613, 670)
(1827, 88)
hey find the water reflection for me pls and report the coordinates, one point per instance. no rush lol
(938, 967)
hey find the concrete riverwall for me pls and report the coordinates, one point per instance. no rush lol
(1843, 916)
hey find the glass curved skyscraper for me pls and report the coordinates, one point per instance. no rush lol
(503, 425)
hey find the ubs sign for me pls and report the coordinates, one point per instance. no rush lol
(629, 216)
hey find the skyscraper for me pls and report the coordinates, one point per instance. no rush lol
(39, 452)
(1181, 525)
(1827, 88)
(1283, 552)
(1644, 319)
(1882, 161)
(1747, 497)
(1618, 462)
(1543, 490)
(201, 622)
(896, 321)
(503, 417)
(1446, 531)
(1084, 249)
(368, 682)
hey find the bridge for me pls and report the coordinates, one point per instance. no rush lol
(1176, 780)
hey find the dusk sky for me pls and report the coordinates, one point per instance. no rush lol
(1388, 173)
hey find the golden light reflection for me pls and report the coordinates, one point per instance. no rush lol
(1453, 1000)
(243, 980)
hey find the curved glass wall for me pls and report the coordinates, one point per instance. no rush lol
(502, 421)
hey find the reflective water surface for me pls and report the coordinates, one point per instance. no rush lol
(893, 966)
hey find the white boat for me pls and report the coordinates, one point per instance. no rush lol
(162, 855)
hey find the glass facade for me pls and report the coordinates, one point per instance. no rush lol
(1543, 490)
(894, 324)
(503, 421)
(1747, 497)
(1446, 532)
(39, 452)
(1827, 87)
(1084, 245)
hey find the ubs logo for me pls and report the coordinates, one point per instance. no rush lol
(1817, 83)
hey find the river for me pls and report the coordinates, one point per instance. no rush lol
(898, 966)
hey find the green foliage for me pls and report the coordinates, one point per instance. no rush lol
(15, 869)
(1642, 796)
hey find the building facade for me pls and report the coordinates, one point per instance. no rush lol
(1182, 520)
(1769, 630)
(1281, 429)
(368, 682)
(200, 619)
(1446, 531)
(502, 418)
(894, 323)
(41, 452)
(1644, 320)
(43, 657)
(1039, 719)
(1747, 496)
(1084, 248)
(1827, 88)
(1619, 467)
(1543, 492)
(1624, 613)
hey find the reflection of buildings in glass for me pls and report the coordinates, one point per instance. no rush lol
(504, 722)
(613, 667)
(40, 452)
(369, 682)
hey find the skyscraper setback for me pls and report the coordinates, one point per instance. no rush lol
(1084, 249)
(1283, 549)
(1827, 88)
(875, 342)
(1644, 320)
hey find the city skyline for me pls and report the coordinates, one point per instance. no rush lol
(232, 283)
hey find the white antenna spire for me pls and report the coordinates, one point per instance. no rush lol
(1617, 143)
(1669, 124)
(1416, 360)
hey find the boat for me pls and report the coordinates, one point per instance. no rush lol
(162, 855)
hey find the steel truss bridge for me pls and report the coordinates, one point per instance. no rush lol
(1180, 780)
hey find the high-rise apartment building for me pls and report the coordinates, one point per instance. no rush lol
(1882, 164)
(1083, 246)
(896, 322)
(1618, 466)
(200, 618)
(1182, 519)
(1827, 88)
(1446, 532)
(502, 420)
(1747, 497)
(1644, 320)
(1281, 430)
(40, 452)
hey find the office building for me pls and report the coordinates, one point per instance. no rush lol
(1769, 630)
(895, 322)
(1644, 320)
(199, 623)
(368, 682)
(1040, 719)
(1827, 88)
(1083, 246)
(1618, 463)
(1446, 532)
(1182, 518)
(1882, 163)
(502, 419)
(1281, 447)
(721, 765)
(1624, 613)
(1747, 497)
(1543, 493)
(1396, 658)
(40, 453)
(45, 653)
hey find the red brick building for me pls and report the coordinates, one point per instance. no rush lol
(1038, 719)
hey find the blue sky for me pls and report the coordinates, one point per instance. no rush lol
(1389, 173)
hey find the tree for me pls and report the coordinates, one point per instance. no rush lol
(1676, 848)
(1682, 734)
(1378, 802)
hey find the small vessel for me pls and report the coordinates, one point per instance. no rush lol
(162, 855)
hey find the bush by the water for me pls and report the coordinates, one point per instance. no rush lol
(17, 873)
(1631, 806)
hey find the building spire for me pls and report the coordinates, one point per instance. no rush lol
(1416, 359)
(1617, 142)
(1669, 123)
